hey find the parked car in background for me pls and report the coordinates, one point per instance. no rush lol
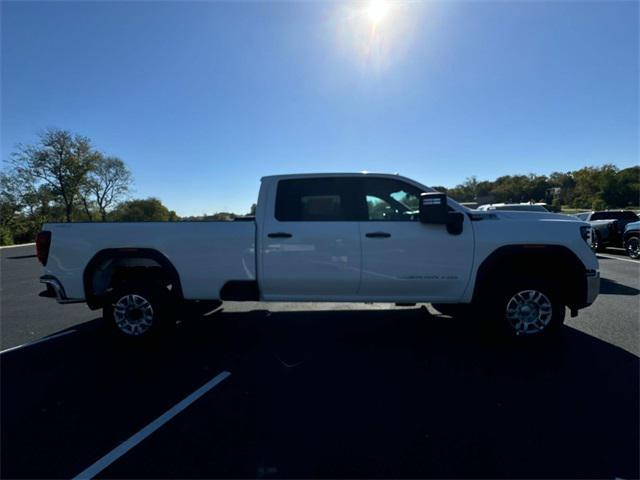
(608, 226)
(331, 238)
(631, 239)
(519, 207)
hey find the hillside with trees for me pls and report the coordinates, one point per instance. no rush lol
(589, 188)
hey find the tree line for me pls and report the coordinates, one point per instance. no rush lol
(588, 188)
(62, 177)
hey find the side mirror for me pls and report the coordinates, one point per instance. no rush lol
(435, 211)
(433, 208)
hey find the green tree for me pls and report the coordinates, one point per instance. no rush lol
(629, 185)
(566, 183)
(143, 210)
(598, 204)
(107, 182)
(10, 206)
(59, 160)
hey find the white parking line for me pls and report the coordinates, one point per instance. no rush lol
(16, 246)
(138, 437)
(45, 339)
(617, 258)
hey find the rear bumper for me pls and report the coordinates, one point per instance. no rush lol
(54, 286)
(593, 286)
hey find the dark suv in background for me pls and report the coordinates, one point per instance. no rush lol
(608, 226)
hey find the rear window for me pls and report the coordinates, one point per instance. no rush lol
(315, 200)
(614, 216)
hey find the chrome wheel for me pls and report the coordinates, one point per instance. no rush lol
(529, 311)
(133, 314)
(633, 247)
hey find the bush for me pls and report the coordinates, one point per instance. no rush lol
(598, 204)
(6, 238)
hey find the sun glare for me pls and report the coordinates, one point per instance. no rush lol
(376, 33)
(377, 10)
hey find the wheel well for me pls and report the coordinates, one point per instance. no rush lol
(554, 263)
(110, 267)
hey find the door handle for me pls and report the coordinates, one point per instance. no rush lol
(279, 235)
(378, 235)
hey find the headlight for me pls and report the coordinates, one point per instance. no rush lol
(586, 232)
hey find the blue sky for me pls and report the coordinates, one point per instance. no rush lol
(202, 99)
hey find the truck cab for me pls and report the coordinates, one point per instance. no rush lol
(358, 238)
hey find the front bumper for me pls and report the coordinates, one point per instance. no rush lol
(55, 288)
(593, 286)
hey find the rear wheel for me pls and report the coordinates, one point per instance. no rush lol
(632, 246)
(137, 310)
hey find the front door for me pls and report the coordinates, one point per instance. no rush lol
(403, 259)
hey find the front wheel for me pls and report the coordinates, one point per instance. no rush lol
(528, 309)
(632, 246)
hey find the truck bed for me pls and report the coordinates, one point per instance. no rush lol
(205, 254)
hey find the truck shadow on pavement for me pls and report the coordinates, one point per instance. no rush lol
(609, 287)
(354, 393)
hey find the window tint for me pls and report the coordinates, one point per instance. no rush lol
(378, 209)
(315, 200)
(614, 216)
(601, 216)
(392, 200)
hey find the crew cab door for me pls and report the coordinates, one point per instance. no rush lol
(403, 259)
(310, 243)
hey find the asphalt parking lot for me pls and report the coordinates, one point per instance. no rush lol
(318, 391)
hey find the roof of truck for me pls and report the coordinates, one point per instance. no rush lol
(333, 174)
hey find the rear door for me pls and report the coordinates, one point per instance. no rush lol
(403, 259)
(310, 245)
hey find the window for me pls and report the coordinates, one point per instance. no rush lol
(316, 200)
(625, 215)
(391, 200)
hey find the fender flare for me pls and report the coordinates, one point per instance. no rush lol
(568, 267)
(95, 301)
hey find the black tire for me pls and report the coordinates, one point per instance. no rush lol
(632, 246)
(138, 310)
(527, 308)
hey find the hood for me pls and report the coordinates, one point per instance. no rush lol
(632, 226)
(528, 216)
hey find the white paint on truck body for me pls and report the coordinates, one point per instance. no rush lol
(322, 260)
(205, 254)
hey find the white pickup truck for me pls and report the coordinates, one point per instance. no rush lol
(330, 237)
